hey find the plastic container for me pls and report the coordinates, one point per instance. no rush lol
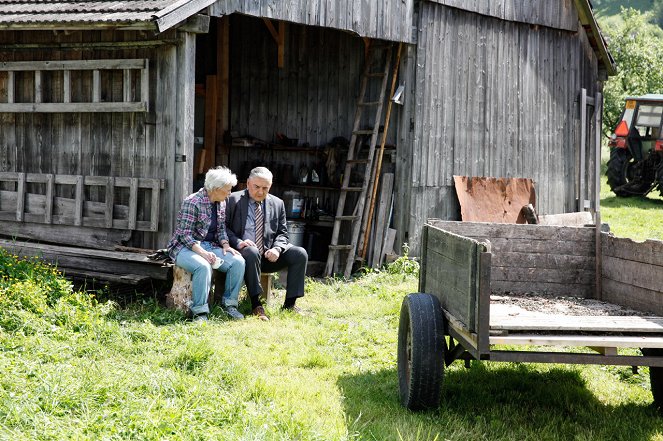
(296, 230)
(293, 204)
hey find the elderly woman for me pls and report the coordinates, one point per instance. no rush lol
(200, 244)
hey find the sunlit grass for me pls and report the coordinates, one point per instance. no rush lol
(146, 373)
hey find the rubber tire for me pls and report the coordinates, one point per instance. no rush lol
(420, 352)
(655, 377)
(617, 165)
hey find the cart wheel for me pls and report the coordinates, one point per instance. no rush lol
(655, 377)
(420, 351)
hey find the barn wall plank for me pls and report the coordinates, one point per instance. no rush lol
(383, 19)
(507, 101)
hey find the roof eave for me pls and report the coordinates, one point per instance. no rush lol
(587, 19)
(178, 12)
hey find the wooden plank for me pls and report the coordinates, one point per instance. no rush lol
(562, 275)
(129, 279)
(650, 251)
(38, 87)
(65, 234)
(632, 296)
(66, 86)
(578, 341)
(73, 107)
(20, 195)
(211, 102)
(154, 209)
(515, 231)
(115, 64)
(637, 274)
(96, 86)
(511, 318)
(110, 201)
(133, 203)
(577, 290)
(564, 247)
(78, 206)
(552, 261)
(48, 205)
(386, 190)
(126, 85)
(11, 87)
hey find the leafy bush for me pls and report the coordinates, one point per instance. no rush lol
(35, 297)
(404, 264)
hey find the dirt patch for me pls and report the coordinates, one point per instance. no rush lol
(562, 305)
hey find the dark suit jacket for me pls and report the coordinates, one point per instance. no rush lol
(276, 227)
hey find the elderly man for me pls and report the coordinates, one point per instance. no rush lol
(256, 226)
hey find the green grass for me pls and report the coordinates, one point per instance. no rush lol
(75, 369)
(638, 218)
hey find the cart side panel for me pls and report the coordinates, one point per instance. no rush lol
(451, 272)
(544, 259)
(632, 273)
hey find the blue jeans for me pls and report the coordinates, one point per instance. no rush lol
(201, 276)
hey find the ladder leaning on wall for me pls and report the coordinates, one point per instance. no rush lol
(378, 53)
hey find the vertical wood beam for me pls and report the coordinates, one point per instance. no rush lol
(96, 86)
(211, 101)
(66, 86)
(110, 199)
(126, 85)
(583, 144)
(281, 45)
(38, 88)
(598, 112)
(48, 206)
(133, 203)
(10, 86)
(279, 38)
(145, 85)
(20, 196)
(78, 205)
(222, 89)
(154, 212)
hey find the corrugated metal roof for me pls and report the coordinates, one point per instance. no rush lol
(33, 13)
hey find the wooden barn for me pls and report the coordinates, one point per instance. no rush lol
(111, 111)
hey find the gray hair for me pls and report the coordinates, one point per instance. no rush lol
(261, 172)
(219, 177)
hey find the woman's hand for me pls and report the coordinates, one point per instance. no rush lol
(228, 249)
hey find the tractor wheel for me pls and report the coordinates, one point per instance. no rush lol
(619, 171)
(420, 351)
(655, 377)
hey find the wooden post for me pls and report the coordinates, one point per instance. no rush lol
(222, 89)
(208, 158)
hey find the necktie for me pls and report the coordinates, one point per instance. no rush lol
(260, 229)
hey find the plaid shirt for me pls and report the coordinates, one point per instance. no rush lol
(194, 220)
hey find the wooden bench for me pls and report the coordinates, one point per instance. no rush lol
(180, 293)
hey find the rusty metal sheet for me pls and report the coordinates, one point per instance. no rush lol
(486, 199)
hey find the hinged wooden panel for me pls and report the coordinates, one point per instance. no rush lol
(40, 69)
(21, 205)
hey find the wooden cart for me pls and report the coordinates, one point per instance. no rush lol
(464, 265)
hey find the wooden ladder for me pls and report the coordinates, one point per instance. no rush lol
(376, 53)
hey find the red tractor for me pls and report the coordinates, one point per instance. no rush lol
(636, 148)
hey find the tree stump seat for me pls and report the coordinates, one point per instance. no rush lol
(180, 292)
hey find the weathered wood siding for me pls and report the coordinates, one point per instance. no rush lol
(120, 144)
(632, 273)
(491, 98)
(382, 19)
(560, 14)
(535, 258)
